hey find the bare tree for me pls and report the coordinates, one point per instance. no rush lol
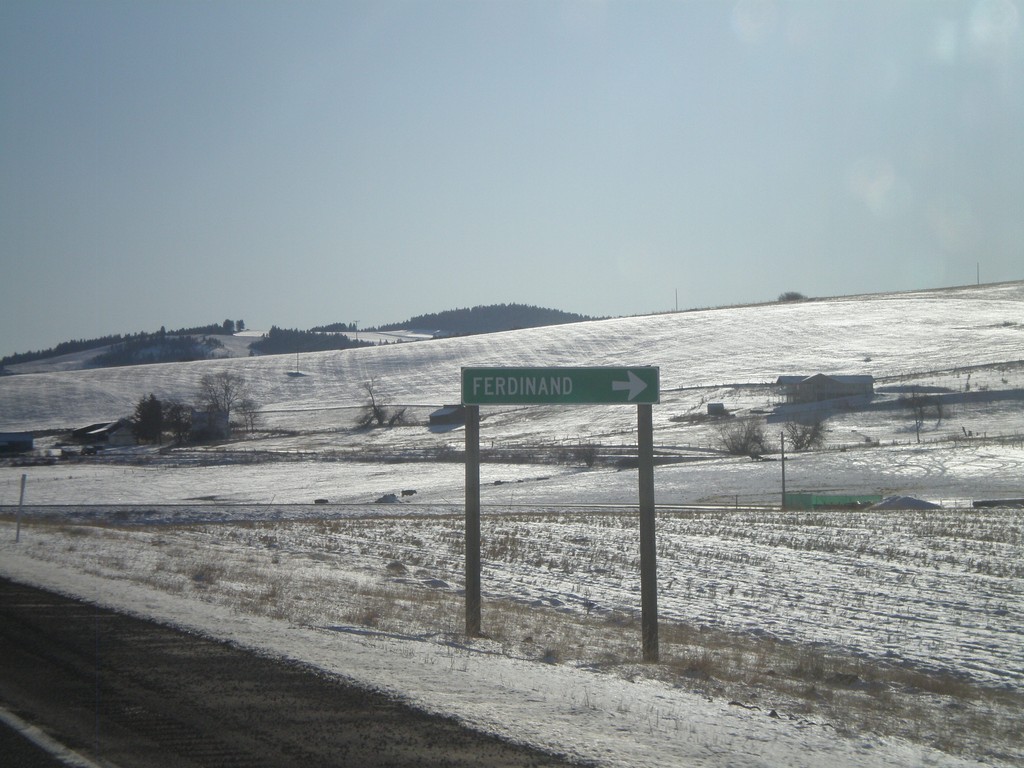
(224, 392)
(743, 437)
(378, 411)
(805, 436)
(250, 413)
(919, 406)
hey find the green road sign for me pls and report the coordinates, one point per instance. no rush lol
(560, 386)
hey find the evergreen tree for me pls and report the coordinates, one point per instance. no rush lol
(178, 419)
(148, 420)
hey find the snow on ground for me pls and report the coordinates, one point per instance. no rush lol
(563, 707)
(226, 539)
(940, 591)
(943, 472)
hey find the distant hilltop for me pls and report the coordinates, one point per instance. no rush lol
(481, 319)
(210, 341)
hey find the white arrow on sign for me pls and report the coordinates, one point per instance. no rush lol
(635, 385)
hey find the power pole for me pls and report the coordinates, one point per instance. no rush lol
(783, 437)
(21, 503)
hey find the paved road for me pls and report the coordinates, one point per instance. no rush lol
(122, 691)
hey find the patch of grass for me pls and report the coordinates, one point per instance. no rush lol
(206, 575)
(851, 694)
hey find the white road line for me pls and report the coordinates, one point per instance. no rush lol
(48, 743)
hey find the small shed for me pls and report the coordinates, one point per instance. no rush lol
(122, 436)
(16, 442)
(104, 433)
(448, 415)
(210, 425)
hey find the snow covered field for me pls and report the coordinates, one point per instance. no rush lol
(898, 338)
(788, 638)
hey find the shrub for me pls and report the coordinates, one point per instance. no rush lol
(745, 437)
(587, 454)
(804, 437)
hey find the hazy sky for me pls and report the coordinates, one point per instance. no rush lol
(302, 163)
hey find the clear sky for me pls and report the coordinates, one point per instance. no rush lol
(302, 163)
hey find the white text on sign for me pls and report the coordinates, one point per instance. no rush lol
(513, 386)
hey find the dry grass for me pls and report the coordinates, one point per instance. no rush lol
(243, 566)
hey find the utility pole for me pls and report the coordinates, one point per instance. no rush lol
(783, 437)
(21, 503)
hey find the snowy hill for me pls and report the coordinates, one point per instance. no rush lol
(888, 336)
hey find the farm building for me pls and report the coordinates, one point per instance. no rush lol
(210, 425)
(813, 389)
(16, 442)
(448, 415)
(105, 433)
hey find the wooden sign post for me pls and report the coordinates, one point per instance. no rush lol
(565, 386)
